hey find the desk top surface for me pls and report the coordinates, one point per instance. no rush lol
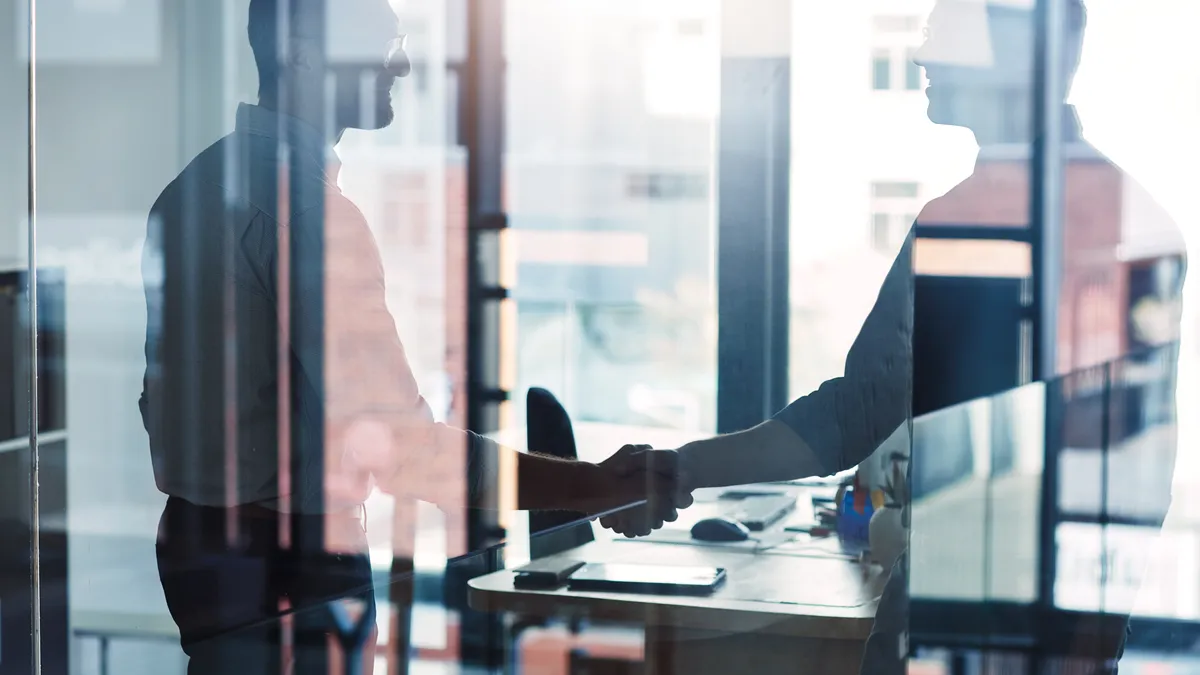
(807, 593)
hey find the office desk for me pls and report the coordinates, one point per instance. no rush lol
(827, 609)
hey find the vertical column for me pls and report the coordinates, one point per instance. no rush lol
(753, 165)
(482, 124)
(1046, 220)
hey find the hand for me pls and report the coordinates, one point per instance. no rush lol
(653, 477)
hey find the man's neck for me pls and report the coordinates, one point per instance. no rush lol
(302, 113)
(986, 135)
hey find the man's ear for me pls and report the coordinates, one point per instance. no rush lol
(303, 57)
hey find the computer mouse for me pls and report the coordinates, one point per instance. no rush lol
(719, 529)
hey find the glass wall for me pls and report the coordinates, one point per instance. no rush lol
(609, 182)
(263, 263)
(17, 517)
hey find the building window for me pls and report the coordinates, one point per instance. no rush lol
(893, 204)
(912, 72)
(880, 231)
(895, 190)
(895, 38)
(881, 71)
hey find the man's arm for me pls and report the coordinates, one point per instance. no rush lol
(377, 424)
(840, 424)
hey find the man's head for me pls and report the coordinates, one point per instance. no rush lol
(979, 58)
(341, 55)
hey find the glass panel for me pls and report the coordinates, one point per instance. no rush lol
(251, 340)
(18, 520)
(976, 491)
(609, 186)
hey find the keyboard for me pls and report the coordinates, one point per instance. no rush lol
(759, 513)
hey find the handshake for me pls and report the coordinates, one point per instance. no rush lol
(649, 484)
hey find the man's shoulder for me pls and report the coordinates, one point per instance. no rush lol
(1148, 228)
(243, 173)
(203, 181)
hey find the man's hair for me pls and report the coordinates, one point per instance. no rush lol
(268, 25)
(1077, 15)
(1076, 25)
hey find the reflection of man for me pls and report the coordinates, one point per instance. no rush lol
(979, 62)
(269, 340)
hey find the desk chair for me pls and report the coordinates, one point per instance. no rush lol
(549, 432)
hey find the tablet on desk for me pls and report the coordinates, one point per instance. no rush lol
(650, 579)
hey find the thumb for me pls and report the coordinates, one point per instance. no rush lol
(629, 459)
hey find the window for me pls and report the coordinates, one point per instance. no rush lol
(894, 40)
(881, 71)
(897, 24)
(912, 72)
(880, 236)
(894, 190)
(893, 204)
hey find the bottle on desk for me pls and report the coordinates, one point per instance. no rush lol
(888, 530)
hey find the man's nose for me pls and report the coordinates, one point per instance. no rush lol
(397, 62)
(919, 57)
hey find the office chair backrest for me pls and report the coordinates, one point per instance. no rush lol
(549, 432)
(548, 425)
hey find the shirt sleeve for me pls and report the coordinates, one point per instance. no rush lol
(350, 352)
(848, 417)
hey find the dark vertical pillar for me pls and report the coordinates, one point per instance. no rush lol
(1046, 219)
(483, 128)
(753, 169)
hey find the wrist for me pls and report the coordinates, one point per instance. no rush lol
(686, 476)
(588, 485)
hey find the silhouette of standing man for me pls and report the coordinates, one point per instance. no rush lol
(277, 394)
(979, 59)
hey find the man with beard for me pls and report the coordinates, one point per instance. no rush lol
(277, 394)
(916, 353)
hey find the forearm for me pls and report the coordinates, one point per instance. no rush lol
(768, 452)
(543, 482)
(551, 483)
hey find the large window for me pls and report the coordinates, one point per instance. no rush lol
(609, 168)
(669, 214)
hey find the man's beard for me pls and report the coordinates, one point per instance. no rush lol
(363, 97)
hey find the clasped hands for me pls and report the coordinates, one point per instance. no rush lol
(652, 483)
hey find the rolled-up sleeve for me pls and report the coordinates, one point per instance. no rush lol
(847, 418)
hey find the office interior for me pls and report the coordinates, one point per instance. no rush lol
(653, 222)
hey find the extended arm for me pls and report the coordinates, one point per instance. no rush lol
(377, 424)
(841, 423)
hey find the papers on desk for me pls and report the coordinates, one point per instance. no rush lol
(760, 541)
(775, 542)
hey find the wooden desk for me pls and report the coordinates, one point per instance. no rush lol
(821, 616)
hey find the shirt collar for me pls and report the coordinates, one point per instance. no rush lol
(293, 131)
(1072, 140)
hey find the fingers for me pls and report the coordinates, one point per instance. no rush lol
(651, 477)
(629, 459)
(640, 520)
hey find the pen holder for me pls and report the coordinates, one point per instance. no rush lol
(854, 525)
